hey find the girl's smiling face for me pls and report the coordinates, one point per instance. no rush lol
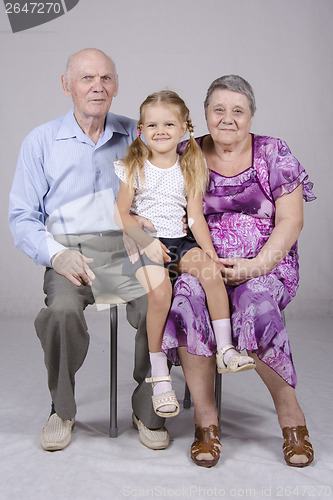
(162, 128)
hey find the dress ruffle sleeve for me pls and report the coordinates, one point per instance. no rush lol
(285, 171)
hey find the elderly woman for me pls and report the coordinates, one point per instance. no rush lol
(253, 207)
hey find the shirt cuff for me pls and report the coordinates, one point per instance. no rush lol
(53, 248)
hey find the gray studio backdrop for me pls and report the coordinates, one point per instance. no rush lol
(283, 47)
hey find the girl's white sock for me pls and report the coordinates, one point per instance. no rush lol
(223, 336)
(222, 331)
(159, 368)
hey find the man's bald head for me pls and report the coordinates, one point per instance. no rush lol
(87, 53)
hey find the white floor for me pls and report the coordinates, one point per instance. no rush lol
(95, 466)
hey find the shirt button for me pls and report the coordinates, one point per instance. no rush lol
(98, 171)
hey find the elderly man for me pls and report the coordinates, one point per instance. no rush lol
(61, 215)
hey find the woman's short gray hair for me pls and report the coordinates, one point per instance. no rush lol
(234, 83)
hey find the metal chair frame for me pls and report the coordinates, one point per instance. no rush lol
(112, 301)
(113, 429)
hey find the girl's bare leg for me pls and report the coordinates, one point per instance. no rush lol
(156, 282)
(197, 263)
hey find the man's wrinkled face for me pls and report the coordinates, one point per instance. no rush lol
(92, 83)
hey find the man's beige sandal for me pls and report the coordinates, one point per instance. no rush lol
(233, 364)
(155, 439)
(164, 399)
(56, 434)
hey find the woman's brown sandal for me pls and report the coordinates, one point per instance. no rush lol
(206, 441)
(295, 443)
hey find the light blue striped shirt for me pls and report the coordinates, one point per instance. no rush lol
(65, 183)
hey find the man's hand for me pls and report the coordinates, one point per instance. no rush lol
(74, 266)
(144, 223)
(132, 248)
(157, 252)
(185, 224)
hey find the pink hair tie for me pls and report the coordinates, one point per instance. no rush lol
(138, 133)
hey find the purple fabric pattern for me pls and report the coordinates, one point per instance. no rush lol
(240, 214)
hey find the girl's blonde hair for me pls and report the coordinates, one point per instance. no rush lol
(192, 163)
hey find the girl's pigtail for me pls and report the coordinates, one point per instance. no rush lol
(137, 154)
(193, 165)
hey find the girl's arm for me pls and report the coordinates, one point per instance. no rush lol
(153, 248)
(288, 225)
(199, 226)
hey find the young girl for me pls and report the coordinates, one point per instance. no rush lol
(160, 186)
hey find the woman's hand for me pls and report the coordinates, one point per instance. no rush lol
(236, 271)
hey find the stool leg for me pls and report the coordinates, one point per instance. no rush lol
(218, 392)
(187, 397)
(113, 431)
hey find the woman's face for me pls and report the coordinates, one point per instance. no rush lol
(228, 117)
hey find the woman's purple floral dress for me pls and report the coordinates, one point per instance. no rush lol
(240, 214)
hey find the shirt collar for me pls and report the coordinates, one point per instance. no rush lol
(70, 128)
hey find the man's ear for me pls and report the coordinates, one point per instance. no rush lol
(117, 87)
(65, 85)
